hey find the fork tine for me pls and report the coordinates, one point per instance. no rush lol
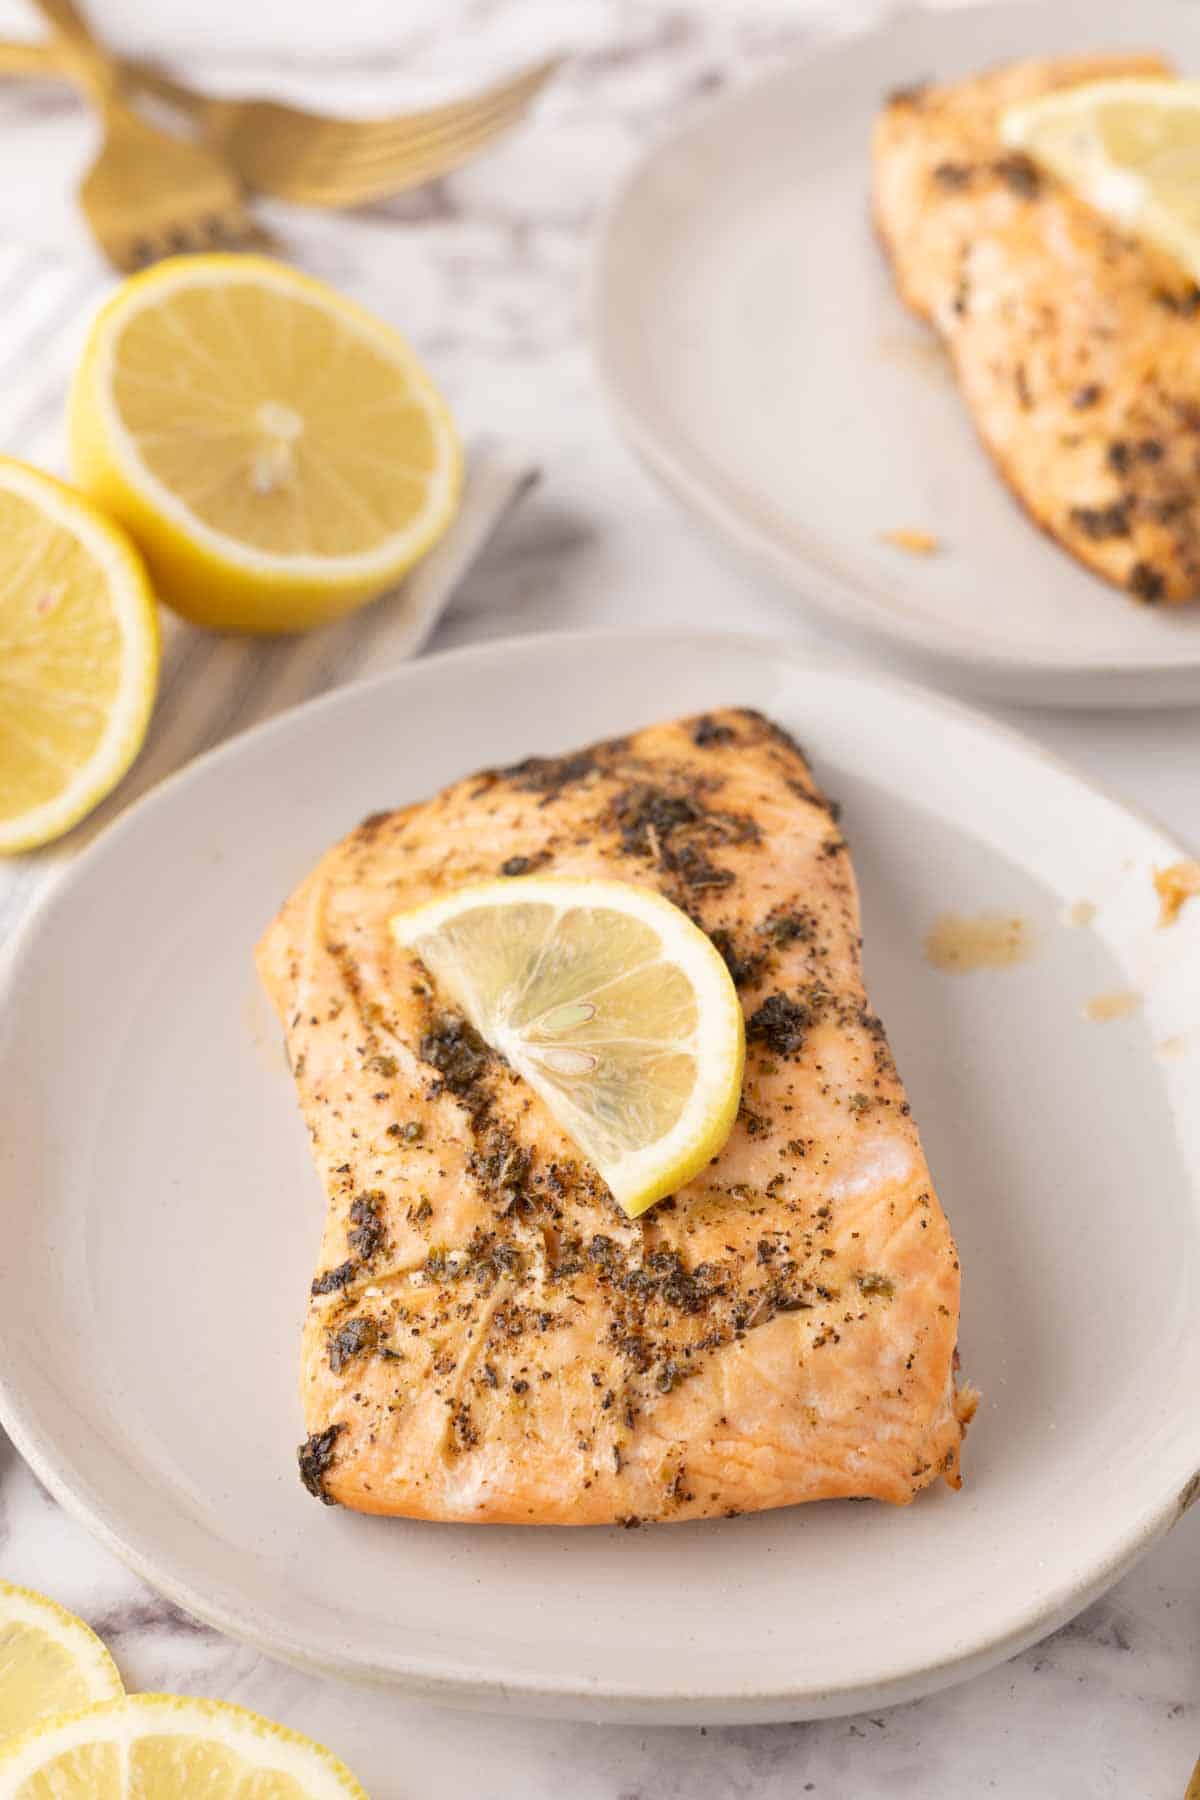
(447, 117)
(374, 175)
(345, 142)
(390, 178)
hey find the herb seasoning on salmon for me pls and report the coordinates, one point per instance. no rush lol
(489, 1337)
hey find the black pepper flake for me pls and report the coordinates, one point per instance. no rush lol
(696, 870)
(1020, 174)
(780, 1024)
(911, 95)
(548, 775)
(355, 1337)
(463, 1435)
(792, 925)
(1184, 305)
(314, 1457)
(367, 1234)
(1098, 522)
(707, 732)
(1021, 383)
(458, 1053)
(332, 1279)
(744, 967)
(952, 175)
(1087, 396)
(1147, 582)
(524, 865)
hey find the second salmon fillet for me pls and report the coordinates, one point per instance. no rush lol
(489, 1337)
(1075, 344)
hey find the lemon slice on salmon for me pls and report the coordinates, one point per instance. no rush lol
(279, 454)
(1129, 147)
(49, 1661)
(78, 656)
(613, 1006)
(169, 1747)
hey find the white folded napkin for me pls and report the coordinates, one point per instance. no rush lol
(210, 687)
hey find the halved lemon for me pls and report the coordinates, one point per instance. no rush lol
(50, 1661)
(1129, 147)
(78, 656)
(611, 1004)
(279, 454)
(169, 1747)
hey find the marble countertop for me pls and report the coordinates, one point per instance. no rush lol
(486, 273)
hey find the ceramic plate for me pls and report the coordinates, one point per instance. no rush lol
(160, 1218)
(747, 330)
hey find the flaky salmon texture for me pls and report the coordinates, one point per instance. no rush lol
(1077, 346)
(489, 1337)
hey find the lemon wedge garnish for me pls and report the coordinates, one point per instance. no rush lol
(169, 1747)
(279, 455)
(610, 1003)
(78, 656)
(50, 1661)
(1129, 147)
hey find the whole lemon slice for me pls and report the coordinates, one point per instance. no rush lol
(279, 454)
(78, 656)
(169, 1747)
(49, 1661)
(1129, 147)
(610, 1003)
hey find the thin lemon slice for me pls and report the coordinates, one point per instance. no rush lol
(49, 1661)
(611, 1004)
(279, 454)
(169, 1747)
(1130, 148)
(78, 656)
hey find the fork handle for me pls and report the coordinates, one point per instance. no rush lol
(49, 60)
(65, 18)
(81, 55)
(17, 57)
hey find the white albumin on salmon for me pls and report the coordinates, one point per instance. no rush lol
(489, 1337)
(1076, 345)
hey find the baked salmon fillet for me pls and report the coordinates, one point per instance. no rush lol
(1076, 346)
(489, 1337)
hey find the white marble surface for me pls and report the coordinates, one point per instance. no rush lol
(485, 272)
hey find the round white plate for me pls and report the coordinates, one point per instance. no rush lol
(160, 1217)
(747, 329)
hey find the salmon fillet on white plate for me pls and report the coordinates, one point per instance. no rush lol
(490, 1337)
(1074, 342)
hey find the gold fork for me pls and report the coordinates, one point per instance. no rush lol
(148, 194)
(308, 157)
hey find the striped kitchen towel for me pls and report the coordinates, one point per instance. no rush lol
(210, 687)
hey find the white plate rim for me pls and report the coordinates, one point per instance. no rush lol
(1061, 677)
(457, 1684)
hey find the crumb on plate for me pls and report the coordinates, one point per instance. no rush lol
(916, 543)
(1175, 885)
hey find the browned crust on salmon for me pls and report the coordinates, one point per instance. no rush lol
(1075, 345)
(489, 1338)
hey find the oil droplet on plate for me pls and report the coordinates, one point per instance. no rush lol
(959, 942)
(1081, 913)
(1101, 1009)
